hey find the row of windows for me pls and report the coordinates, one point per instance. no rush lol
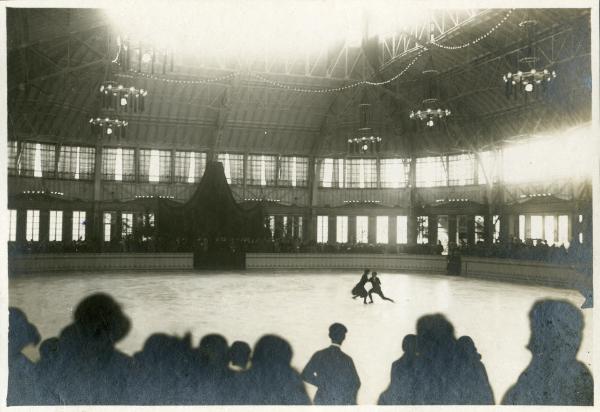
(530, 160)
(282, 227)
(394, 173)
(153, 165)
(128, 223)
(77, 162)
(362, 229)
(55, 227)
(551, 228)
(78, 225)
(39, 160)
(118, 164)
(554, 229)
(540, 159)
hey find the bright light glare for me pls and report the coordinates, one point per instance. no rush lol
(262, 27)
(565, 155)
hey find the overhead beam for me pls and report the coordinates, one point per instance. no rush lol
(61, 72)
(88, 46)
(404, 42)
(504, 52)
(62, 37)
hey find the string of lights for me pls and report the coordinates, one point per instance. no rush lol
(303, 90)
(177, 81)
(341, 88)
(477, 39)
(320, 90)
(413, 61)
(274, 82)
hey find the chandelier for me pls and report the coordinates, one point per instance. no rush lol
(108, 127)
(430, 111)
(365, 142)
(122, 99)
(528, 79)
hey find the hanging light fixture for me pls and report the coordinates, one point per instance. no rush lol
(430, 111)
(528, 79)
(121, 98)
(108, 127)
(366, 142)
(142, 58)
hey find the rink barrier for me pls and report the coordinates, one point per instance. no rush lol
(418, 263)
(523, 271)
(507, 270)
(65, 262)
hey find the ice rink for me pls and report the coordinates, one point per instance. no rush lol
(300, 306)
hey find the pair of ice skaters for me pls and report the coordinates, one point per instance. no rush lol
(360, 291)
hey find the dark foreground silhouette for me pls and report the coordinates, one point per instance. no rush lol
(333, 372)
(437, 369)
(21, 372)
(84, 368)
(82, 365)
(554, 376)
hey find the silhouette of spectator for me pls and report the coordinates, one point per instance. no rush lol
(554, 376)
(437, 373)
(474, 379)
(239, 356)
(162, 372)
(272, 380)
(439, 249)
(22, 377)
(48, 350)
(401, 386)
(87, 367)
(47, 371)
(333, 372)
(441, 371)
(214, 374)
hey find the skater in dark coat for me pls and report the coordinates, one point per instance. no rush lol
(359, 289)
(376, 289)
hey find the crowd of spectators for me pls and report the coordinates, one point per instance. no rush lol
(576, 254)
(82, 366)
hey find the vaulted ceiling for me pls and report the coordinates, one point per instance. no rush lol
(57, 59)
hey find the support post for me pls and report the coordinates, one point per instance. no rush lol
(432, 223)
(94, 220)
(412, 213)
(392, 230)
(470, 229)
(372, 237)
(352, 229)
(331, 229)
(313, 187)
(452, 229)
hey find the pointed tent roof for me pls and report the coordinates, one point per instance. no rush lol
(211, 212)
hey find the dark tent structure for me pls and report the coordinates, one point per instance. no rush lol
(211, 222)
